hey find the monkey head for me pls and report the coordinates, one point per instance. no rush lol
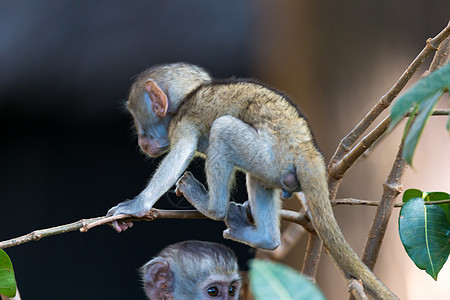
(192, 270)
(155, 96)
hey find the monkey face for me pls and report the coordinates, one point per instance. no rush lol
(152, 131)
(153, 147)
(153, 138)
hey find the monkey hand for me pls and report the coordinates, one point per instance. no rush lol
(132, 207)
(196, 194)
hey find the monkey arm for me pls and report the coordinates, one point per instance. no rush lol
(171, 168)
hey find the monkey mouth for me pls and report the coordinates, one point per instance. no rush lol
(157, 151)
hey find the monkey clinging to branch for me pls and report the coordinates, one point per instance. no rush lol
(234, 124)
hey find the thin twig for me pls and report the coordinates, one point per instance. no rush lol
(383, 103)
(442, 56)
(356, 288)
(86, 224)
(392, 188)
(151, 215)
(38, 234)
(352, 201)
(338, 170)
(393, 185)
(314, 247)
(436, 112)
(312, 256)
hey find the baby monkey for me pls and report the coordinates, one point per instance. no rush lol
(234, 124)
(192, 270)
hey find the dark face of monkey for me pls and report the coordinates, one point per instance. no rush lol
(154, 99)
(153, 137)
(193, 270)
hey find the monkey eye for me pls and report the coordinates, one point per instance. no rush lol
(213, 291)
(232, 290)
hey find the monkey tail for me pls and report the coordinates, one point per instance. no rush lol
(311, 173)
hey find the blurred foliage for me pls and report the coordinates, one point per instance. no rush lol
(275, 281)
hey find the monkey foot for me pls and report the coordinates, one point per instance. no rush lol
(251, 237)
(242, 230)
(237, 216)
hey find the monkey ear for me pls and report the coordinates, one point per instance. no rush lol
(159, 275)
(158, 97)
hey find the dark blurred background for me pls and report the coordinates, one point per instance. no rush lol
(67, 149)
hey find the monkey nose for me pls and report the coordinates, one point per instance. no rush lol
(143, 144)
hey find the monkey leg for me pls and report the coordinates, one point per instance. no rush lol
(264, 203)
(234, 143)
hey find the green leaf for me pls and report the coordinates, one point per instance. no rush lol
(437, 196)
(410, 121)
(7, 279)
(425, 234)
(270, 281)
(423, 89)
(425, 110)
(411, 193)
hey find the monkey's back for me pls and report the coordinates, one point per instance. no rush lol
(259, 106)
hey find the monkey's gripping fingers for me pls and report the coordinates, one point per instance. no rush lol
(130, 207)
(238, 224)
(120, 226)
(194, 192)
(237, 216)
(188, 185)
(242, 230)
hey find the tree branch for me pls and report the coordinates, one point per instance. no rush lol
(312, 256)
(345, 144)
(338, 170)
(392, 188)
(352, 201)
(84, 225)
(356, 288)
(442, 56)
(383, 103)
(393, 185)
